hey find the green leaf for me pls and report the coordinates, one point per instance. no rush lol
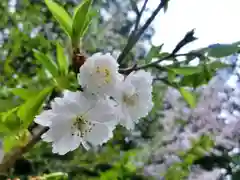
(10, 142)
(171, 76)
(10, 120)
(194, 80)
(24, 93)
(153, 52)
(46, 62)
(218, 65)
(164, 54)
(219, 50)
(62, 60)
(19, 138)
(80, 20)
(61, 16)
(187, 70)
(188, 97)
(31, 107)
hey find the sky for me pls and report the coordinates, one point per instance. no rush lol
(215, 21)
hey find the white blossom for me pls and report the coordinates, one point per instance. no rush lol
(74, 120)
(134, 98)
(99, 74)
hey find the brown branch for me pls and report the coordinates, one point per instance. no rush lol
(136, 34)
(11, 157)
(189, 37)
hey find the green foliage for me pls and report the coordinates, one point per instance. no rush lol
(81, 20)
(222, 50)
(188, 96)
(62, 60)
(61, 16)
(47, 63)
(24, 93)
(15, 139)
(153, 53)
(32, 106)
(187, 70)
(182, 169)
(25, 86)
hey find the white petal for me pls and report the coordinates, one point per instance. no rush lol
(126, 120)
(100, 134)
(66, 144)
(46, 118)
(103, 112)
(95, 81)
(56, 132)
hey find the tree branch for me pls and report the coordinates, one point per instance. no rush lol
(189, 37)
(136, 34)
(11, 158)
(139, 16)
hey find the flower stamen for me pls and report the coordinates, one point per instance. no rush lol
(130, 100)
(82, 125)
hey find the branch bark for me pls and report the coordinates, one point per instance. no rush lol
(136, 34)
(11, 157)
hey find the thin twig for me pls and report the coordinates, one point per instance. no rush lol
(189, 37)
(134, 7)
(139, 16)
(134, 38)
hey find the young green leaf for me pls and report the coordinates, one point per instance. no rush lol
(187, 70)
(153, 52)
(222, 50)
(19, 138)
(46, 62)
(80, 20)
(188, 97)
(62, 60)
(61, 16)
(24, 93)
(218, 65)
(9, 142)
(194, 80)
(31, 107)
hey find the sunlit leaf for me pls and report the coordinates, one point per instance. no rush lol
(218, 65)
(46, 62)
(188, 70)
(188, 97)
(31, 107)
(10, 142)
(153, 53)
(61, 16)
(24, 93)
(62, 60)
(222, 50)
(80, 19)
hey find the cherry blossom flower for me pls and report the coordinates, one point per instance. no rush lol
(134, 98)
(99, 74)
(73, 120)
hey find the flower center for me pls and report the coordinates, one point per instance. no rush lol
(82, 125)
(130, 100)
(105, 72)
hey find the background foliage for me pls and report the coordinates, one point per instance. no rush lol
(28, 28)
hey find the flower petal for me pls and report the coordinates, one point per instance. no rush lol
(66, 144)
(99, 134)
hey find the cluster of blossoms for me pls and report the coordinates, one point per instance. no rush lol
(108, 98)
